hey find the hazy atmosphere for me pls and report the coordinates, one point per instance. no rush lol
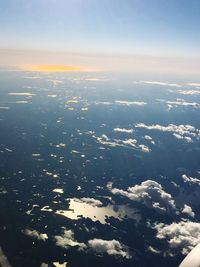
(99, 133)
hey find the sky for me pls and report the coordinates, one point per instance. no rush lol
(96, 28)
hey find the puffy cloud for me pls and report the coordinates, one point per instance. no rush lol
(35, 234)
(67, 240)
(123, 130)
(192, 259)
(99, 246)
(188, 210)
(3, 259)
(111, 247)
(190, 180)
(182, 235)
(150, 193)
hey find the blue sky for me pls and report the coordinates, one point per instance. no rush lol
(153, 27)
(135, 35)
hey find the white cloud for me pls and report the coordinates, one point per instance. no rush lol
(183, 235)
(99, 246)
(90, 201)
(186, 138)
(188, 210)
(111, 247)
(190, 180)
(145, 148)
(154, 250)
(180, 102)
(179, 131)
(35, 234)
(58, 264)
(67, 240)
(123, 130)
(4, 108)
(58, 190)
(193, 84)
(130, 103)
(162, 83)
(3, 259)
(189, 92)
(147, 137)
(21, 94)
(192, 259)
(150, 193)
(128, 143)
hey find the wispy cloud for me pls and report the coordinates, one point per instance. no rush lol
(162, 83)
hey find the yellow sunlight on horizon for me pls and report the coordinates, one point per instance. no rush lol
(52, 68)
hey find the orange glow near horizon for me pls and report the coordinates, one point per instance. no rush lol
(52, 68)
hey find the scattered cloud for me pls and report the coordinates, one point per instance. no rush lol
(150, 193)
(189, 92)
(127, 143)
(123, 130)
(56, 82)
(162, 83)
(58, 190)
(190, 180)
(154, 250)
(21, 94)
(111, 247)
(35, 234)
(188, 210)
(193, 84)
(184, 235)
(180, 102)
(144, 148)
(4, 108)
(99, 246)
(67, 240)
(130, 103)
(185, 132)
